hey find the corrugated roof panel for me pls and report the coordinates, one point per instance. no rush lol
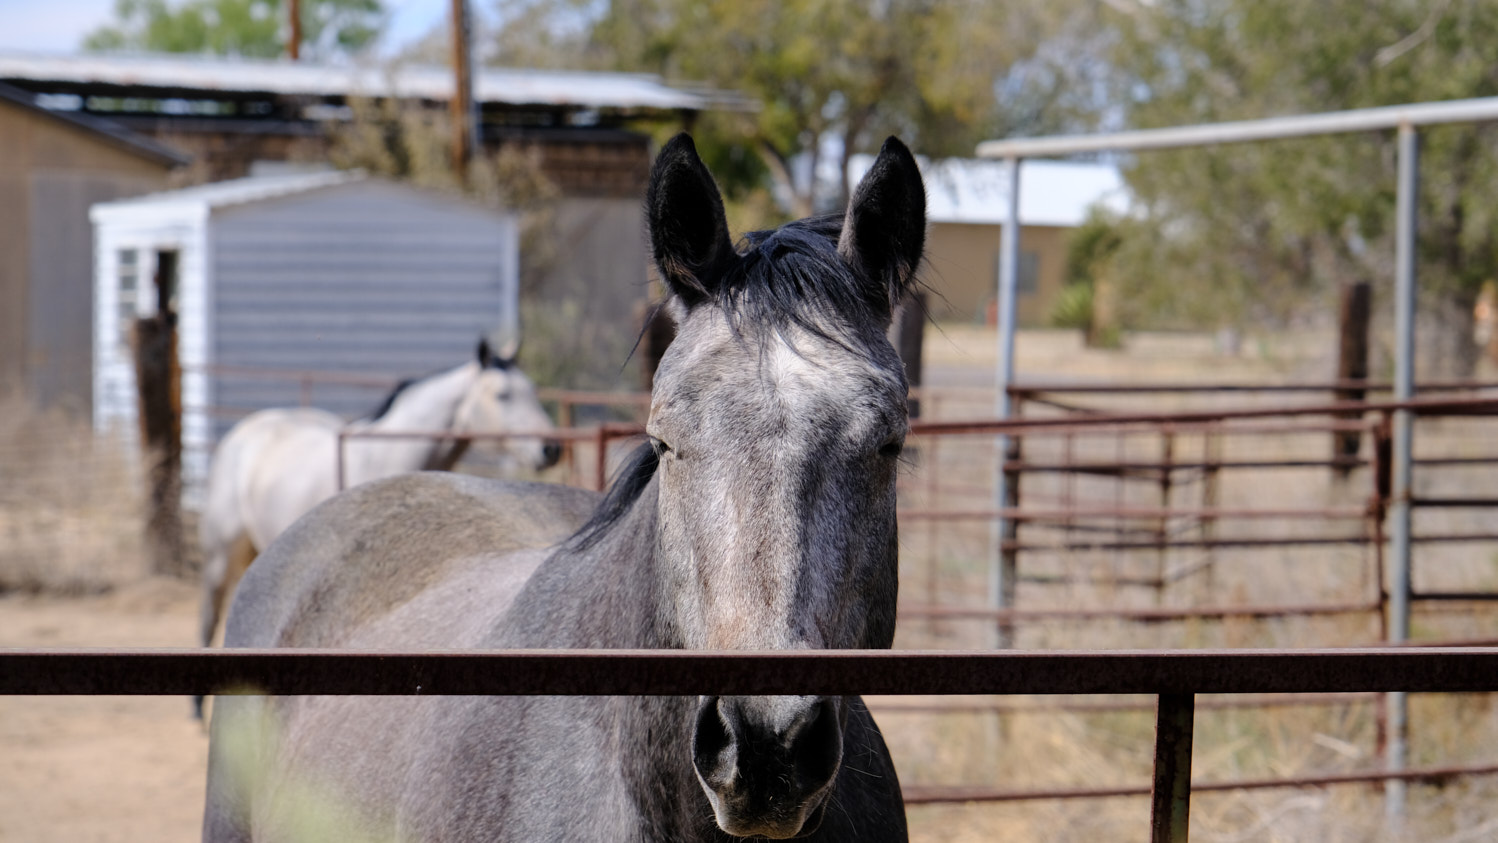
(233, 192)
(239, 75)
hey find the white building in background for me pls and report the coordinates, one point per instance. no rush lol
(966, 201)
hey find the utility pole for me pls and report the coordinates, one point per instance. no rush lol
(465, 127)
(294, 43)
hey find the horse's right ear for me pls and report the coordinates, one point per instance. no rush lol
(688, 230)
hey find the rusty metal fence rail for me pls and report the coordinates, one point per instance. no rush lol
(1174, 677)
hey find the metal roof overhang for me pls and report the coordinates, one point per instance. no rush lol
(235, 78)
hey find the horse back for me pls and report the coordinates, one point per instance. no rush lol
(366, 552)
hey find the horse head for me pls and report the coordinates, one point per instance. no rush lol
(777, 417)
(501, 399)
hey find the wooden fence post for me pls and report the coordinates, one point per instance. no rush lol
(1352, 365)
(655, 338)
(908, 333)
(157, 378)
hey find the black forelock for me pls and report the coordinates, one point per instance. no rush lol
(785, 275)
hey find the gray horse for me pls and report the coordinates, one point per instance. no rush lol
(274, 465)
(760, 515)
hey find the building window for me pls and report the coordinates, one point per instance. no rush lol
(129, 292)
(1029, 272)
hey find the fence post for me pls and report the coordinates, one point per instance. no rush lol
(930, 467)
(1403, 441)
(909, 334)
(1162, 524)
(657, 330)
(1352, 366)
(601, 468)
(1212, 459)
(1170, 809)
(1009, 474)
(1002, 573)
(159, 403)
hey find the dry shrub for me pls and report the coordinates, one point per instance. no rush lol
(70, 506)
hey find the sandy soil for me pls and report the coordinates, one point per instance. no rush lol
(101, 769)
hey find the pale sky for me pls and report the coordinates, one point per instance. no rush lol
(58, 26)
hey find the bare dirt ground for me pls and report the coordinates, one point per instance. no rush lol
(101, 769)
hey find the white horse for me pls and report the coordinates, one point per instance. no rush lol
(275, 465)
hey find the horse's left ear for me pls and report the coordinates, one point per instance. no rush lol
(884, 232)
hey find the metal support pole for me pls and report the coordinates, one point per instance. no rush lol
(1170, 811)
(1003, 569)
(1403, 444)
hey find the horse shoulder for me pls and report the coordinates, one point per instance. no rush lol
(366, 552)
(421, 560)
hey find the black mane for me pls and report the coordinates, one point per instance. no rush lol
(389, 401)
(629, 482)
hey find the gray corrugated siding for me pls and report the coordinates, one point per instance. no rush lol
(367, 278)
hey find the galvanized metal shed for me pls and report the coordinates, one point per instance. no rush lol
(329, 271)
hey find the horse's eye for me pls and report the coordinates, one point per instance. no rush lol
(661, 448)
(892, 448)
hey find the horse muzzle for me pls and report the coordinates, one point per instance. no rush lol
(768, 764)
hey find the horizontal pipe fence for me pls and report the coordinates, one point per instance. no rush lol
(1174, 677)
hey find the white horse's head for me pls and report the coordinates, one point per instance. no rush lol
(501, 399)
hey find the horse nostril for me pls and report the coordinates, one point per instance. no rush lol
(818, 746)
(551, 451)
(710, 740)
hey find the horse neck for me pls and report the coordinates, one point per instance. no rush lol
(605, 595)
(427, 405)
(609, 596)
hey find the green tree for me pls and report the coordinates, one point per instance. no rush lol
(943, 74)
(252, 28)
(1254, 233)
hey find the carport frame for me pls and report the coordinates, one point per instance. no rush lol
(1405, 119)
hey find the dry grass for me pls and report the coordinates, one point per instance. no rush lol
(70, 505)
(947, 563)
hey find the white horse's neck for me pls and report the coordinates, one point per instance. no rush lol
(429, 405)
